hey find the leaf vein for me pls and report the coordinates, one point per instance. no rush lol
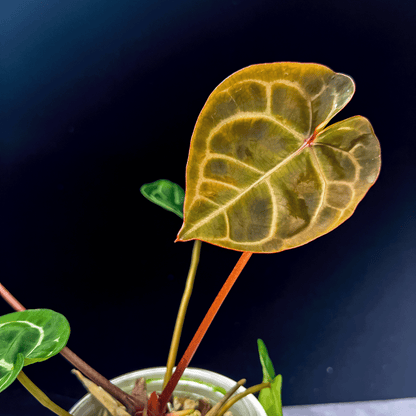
(249, 114)
(238, 162)
(324, 184)
(209, 217)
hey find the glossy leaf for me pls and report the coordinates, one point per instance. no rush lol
(27, 337)
(166, 194)
(270, 398)
(264, 174)
(9, 372)
(266, 362)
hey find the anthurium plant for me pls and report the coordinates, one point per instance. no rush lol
(265, 173)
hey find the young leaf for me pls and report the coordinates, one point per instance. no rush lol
(264, 174)
(266, 362)
(27, 337)
(166, 194)
(270, 398)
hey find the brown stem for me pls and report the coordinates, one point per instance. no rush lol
(196, 340)
(81, 365)
(100, 380)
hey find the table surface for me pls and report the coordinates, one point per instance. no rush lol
(399, 407)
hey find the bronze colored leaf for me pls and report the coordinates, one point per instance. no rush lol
(264, 174)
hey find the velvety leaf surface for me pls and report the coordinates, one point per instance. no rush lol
(166, 194)
(264, 174)
(27, 337)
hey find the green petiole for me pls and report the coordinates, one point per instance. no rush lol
(173, 351)
(236, 398)
(40, 396)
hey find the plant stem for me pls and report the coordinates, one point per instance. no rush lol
(10, 299)
(181, 412)
(40, 396)
(217, 407)
(196, 340)
(182, 312)
(126, 399)
(237, 397)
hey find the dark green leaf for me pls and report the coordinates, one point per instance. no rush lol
(9, 372)
(166, 194)
(28, 337)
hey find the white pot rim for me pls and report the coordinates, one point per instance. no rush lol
(195, 381)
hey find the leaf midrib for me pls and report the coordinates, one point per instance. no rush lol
(254, 184)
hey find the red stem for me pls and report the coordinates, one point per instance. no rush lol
(196, 340)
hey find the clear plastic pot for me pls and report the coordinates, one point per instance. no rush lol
(195, 383)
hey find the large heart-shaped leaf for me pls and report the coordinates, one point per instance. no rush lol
(28, 337)
(264, 174)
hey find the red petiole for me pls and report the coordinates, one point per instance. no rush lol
(196, 340)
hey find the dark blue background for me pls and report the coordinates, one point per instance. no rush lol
(99, 97)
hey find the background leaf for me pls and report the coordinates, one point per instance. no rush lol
(264, 175)
(27, 337)
(166, 194)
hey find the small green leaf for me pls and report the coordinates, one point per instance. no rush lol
(28, 337)
(166, 194)
(270, 398)
(266, 362)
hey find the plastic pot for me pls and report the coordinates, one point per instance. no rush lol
(195, 383)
